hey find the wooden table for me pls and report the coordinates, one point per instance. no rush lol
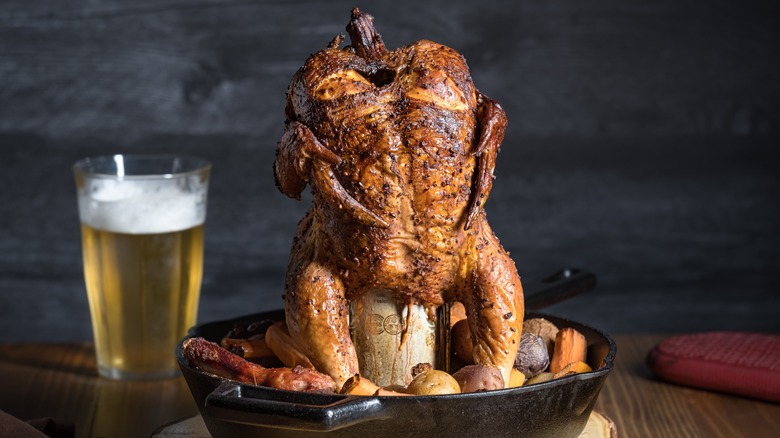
(59, 381)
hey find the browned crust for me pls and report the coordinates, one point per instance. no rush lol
(210, 357)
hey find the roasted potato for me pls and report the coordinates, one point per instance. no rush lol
(473, 378)
(540, 378)
(532, 357)
(433, 382)
(544, 328)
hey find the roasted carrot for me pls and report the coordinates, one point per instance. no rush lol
(279, 341)
(250, 349)
(573, 368)
(570, 346)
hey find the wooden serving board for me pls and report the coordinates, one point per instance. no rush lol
(599, 426)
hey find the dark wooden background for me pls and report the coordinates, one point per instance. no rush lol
(642, 145)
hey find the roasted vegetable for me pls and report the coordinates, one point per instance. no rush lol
(473, 378)
(573, 368)
(460, 335)
(532, 357)
(357, 385)
(570, 346)
(280, 342)
(540, 378)
(433, 382)
(516, 379)
(544, 328)
(457, 312)
(254, 349)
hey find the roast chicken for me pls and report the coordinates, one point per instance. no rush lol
(398, 148)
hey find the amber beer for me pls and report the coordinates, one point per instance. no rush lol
(142, 244)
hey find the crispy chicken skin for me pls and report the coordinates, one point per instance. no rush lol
(399, 150)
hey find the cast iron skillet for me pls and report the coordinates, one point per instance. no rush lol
(559, 408)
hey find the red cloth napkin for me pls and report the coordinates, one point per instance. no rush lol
(739, 363)
(12, 427)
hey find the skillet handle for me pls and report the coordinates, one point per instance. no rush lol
(557, 287)
(278, 409)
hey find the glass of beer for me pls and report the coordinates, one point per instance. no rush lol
(142, 222)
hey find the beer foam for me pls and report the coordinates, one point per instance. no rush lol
(143, 207)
